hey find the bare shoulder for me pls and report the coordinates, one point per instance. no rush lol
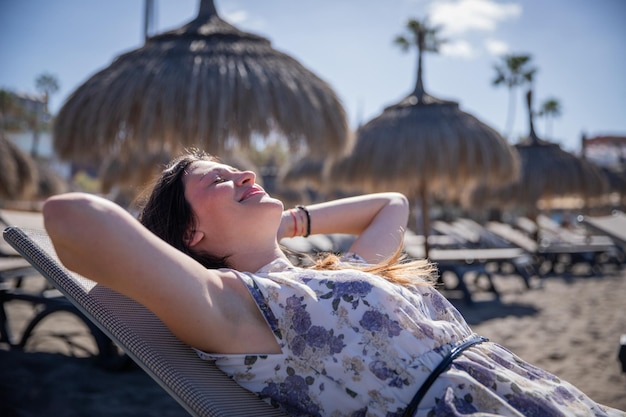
(219, 315)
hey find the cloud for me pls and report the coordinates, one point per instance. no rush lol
(236, 17)
(457, 49)
(242, 19)
(496, 47)
(460, 16)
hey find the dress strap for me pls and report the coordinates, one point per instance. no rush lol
(441, 368)
(260, 300)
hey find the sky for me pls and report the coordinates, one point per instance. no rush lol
(576, 45)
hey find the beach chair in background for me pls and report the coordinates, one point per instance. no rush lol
(198, 385)
(613, 226)
(458, 251)
(559, 253)
(45, 301)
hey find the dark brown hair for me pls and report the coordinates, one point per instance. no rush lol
(167, 213)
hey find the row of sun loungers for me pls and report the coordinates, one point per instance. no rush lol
(468, 250)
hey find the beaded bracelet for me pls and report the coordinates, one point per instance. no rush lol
(295, 223)
(308, 219)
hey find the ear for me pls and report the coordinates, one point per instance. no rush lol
(192, 238)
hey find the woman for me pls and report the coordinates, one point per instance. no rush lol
(354, 336)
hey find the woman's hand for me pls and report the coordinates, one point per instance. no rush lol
(379, 221)
(286, 228)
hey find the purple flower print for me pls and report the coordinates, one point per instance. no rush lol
(317, 337)
(351, 292)
(297, 345)
(359, 413)
(381, 371)
(292, 395)
(530, 405)
(480, 373)
(294, 303)
(307, 334)
(375, 321)
(355, 289)
(451, 405)
(372, 320)
(379, 368)
(301, 321)
(563, 396)
(336, 345)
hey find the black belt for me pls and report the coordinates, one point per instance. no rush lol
(442, 367)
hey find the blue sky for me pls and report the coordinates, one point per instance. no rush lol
(577, 46)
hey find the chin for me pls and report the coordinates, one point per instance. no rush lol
(268, 199)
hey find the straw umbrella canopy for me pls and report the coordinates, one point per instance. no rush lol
(616, 183)
(304, 172)
(549, 178)
(206, 84)
(49, 182)
(127, 173)
(18, 172)
(425, 147)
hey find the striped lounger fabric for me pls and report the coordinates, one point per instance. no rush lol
(199, 386)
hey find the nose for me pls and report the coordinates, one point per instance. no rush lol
(245, 177)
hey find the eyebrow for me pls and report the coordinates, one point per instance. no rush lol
(220, 170)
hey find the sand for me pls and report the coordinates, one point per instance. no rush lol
(570, 326)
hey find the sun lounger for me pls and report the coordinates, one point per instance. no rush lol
(11, 270)
(613, 226)
(485, 251)
(462, 259)
(201, 388)
(552, 254)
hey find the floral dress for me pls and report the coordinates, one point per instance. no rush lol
(354, 344)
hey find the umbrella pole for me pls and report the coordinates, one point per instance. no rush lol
(425, 219)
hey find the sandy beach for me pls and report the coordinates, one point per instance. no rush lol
(570, 326)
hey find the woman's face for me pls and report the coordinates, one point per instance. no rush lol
(230, 208)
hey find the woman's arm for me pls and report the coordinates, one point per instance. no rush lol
(379, 221)
(101, 241)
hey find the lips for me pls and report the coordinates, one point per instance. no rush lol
(255, 189)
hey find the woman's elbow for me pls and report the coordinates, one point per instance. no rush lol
(59, 213)
(54, 212)
(400, 201)
(399, 198)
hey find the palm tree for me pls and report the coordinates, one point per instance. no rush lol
(425, 37)
(550, 109)
(513, 71)
(47, 85)
(10, 110)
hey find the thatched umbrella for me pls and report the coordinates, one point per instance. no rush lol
(424, 147)
(24, 178)
(139, 170)
(616, 182)
(18, 172)
(206, 84)
(49, 182)
(550, 178)
(304, 172)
